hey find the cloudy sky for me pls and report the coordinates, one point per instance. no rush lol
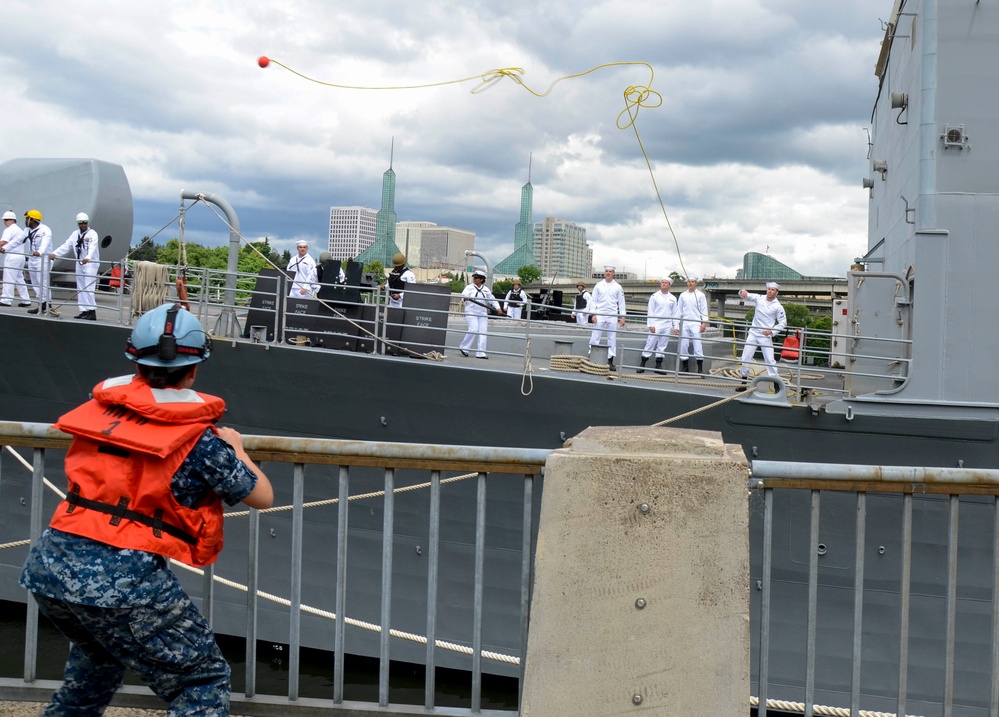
(759, 144)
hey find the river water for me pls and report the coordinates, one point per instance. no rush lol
(316, 670)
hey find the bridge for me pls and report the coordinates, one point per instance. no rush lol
(817, 294)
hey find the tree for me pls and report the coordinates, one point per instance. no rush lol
(529, 274)
(818, 341)
(146, 251)
(376, 268)
(676, 278)
(501, 287)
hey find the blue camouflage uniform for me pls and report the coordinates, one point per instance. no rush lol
(124, 608)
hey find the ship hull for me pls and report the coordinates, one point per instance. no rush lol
(271, 389)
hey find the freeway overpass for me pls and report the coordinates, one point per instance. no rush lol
(817, 294)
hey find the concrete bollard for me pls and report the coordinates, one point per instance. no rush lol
(641, 592)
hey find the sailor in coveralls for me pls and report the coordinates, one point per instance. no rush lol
(580, 304)
(305, 281)
(692, 307)
(86, 248)
(398, 278)
(515, 300)
(662, 324)
(147, 475)
(768, 320)
(37, 242)
(607, 306)
(13, 265)
(478, 300)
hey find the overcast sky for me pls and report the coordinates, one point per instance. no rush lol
(759, 144)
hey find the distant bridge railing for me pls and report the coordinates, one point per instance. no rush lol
(399, 536)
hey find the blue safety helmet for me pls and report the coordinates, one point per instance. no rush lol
(170, 336)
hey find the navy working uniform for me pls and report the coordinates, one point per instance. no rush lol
(98, 571)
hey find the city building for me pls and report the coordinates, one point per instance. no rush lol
(409, 239)
(561, 249)
(445, 247)
(384, 246)
(763, 266)
(523, 240)
(352, 230)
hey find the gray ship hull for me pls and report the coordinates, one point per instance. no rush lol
(326, 393)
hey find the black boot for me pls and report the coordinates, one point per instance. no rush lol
(742, 386)
(35, 310)
(610, 364)
(645, 360)
(685, 365)
(700, 365)
(659, 365)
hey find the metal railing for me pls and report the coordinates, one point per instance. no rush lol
(403, 552)
(875, 588)
(333, 324)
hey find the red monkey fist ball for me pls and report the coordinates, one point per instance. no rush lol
(263, 61)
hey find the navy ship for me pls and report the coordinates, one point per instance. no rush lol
(914, 338)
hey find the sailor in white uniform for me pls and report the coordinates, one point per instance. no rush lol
(478, 301)
(85, 247)
(13, 265)
(607, 305)
(662, 324)
(36, 240)
(305, 281)
(692, 307)
(581, 303)
(768, 320)
(515, 300)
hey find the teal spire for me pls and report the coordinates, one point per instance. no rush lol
(384, 246)
(523, 235)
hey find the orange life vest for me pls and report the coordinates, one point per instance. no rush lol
(127, 444)
(789, 351)
(115, 281)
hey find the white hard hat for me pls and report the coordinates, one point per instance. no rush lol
(9, 215)
(82, 217)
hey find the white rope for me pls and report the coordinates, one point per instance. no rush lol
(527, 377)
(150, 281)
(785, 706)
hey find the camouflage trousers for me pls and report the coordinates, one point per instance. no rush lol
(169, 645)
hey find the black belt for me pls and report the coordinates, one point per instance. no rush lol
(119, 511)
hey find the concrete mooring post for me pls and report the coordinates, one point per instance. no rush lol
(641, 592)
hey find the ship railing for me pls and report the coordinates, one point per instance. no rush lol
(886, 580)
(438, 549)
(263, 311)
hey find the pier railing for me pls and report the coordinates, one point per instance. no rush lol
(875, 589)
(375, 549)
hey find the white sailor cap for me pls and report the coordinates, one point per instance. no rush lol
(666, 278)
(301, 242)
(479, 273)
(608, 267)
(695, 279)
(773, 285)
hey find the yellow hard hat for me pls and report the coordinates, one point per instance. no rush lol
(33, 214)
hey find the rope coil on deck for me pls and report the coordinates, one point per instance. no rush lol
(576, 364)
